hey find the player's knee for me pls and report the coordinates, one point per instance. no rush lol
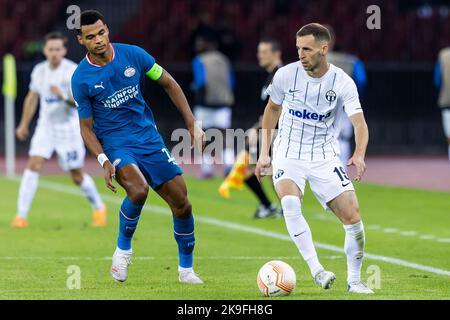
(138, 195)
(354, 216)
(183, 209)
(77, 178)
(35, 165)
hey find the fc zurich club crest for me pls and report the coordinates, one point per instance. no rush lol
(129, 72)
(330, 95)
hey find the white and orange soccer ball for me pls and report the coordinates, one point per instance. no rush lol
(276, 278)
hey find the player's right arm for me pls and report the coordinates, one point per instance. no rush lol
(269, 121)
(94, 146)
(29, 109)
(84, 108)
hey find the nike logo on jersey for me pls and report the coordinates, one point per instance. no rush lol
(96, 86)
(309, 115)
(345, 184)
(293, 91)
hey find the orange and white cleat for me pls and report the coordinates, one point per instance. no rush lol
(19, 223)
(99, 217)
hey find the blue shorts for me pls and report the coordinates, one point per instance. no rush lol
(157, 166)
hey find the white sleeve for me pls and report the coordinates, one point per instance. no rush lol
(34, 83)
(350, 98)
(275, 89)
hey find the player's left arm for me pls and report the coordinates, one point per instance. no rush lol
(352, 106)
(361, 131)
(178, 98)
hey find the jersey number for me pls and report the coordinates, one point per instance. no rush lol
(72, 156)
(169, 156)
(341, 174)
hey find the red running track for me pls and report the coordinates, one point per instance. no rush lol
(431, 173)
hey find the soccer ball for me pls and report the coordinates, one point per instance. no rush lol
(276, 278)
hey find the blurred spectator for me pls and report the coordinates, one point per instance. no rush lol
(214, 98)
(355, 69)
(442, 81)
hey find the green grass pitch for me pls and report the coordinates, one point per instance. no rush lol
(409, 225)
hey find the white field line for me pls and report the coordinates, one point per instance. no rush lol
(246, 229)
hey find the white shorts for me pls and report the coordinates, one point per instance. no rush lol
(446, 122)
(67, 143)
(213, 118)
(327, 178)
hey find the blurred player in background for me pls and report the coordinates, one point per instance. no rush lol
(355, 69)
(214, 97)
(116, 123)
(243, 171)
(308, 97)
(57, 130)
(442, 82)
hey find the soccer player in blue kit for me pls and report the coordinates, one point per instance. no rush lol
(118, 127)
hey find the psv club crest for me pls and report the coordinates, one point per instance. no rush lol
(129, 72)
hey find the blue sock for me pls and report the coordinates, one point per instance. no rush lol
(128, 220)
(184, 235)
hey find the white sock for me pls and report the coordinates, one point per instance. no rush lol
(300, 232)
(129, 251)
(354, 249)
(181, 269)
(90, 191)
(27, 190)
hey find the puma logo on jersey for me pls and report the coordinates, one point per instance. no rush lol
(309, 115)
(96, 86)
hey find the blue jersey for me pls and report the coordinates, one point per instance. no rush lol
(112, 96)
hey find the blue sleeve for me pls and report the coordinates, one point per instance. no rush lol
(437, 75)
(81, 96)
(359, 75)
(145, 60)
(231, 79)
(199, 73)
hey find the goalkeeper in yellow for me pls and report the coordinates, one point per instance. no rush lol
(243, 171)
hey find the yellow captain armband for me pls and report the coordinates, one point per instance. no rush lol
(155, 72)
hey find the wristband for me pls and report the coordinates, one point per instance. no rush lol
(102, 158)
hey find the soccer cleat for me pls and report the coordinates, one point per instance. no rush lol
(324, 279)
(189, 276)
(99, 217)
(119, 267)
(359, 287)
(263, 212)
(19, 223)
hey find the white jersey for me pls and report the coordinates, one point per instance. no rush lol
(312, 107)
(55, 112)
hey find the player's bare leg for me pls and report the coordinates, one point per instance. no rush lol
(174, 192)
(134, 183)
(299, 230)
(27, 190)
(86, 184)
(346, 208)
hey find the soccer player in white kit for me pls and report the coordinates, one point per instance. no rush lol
(57, 130)
(307, 98)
